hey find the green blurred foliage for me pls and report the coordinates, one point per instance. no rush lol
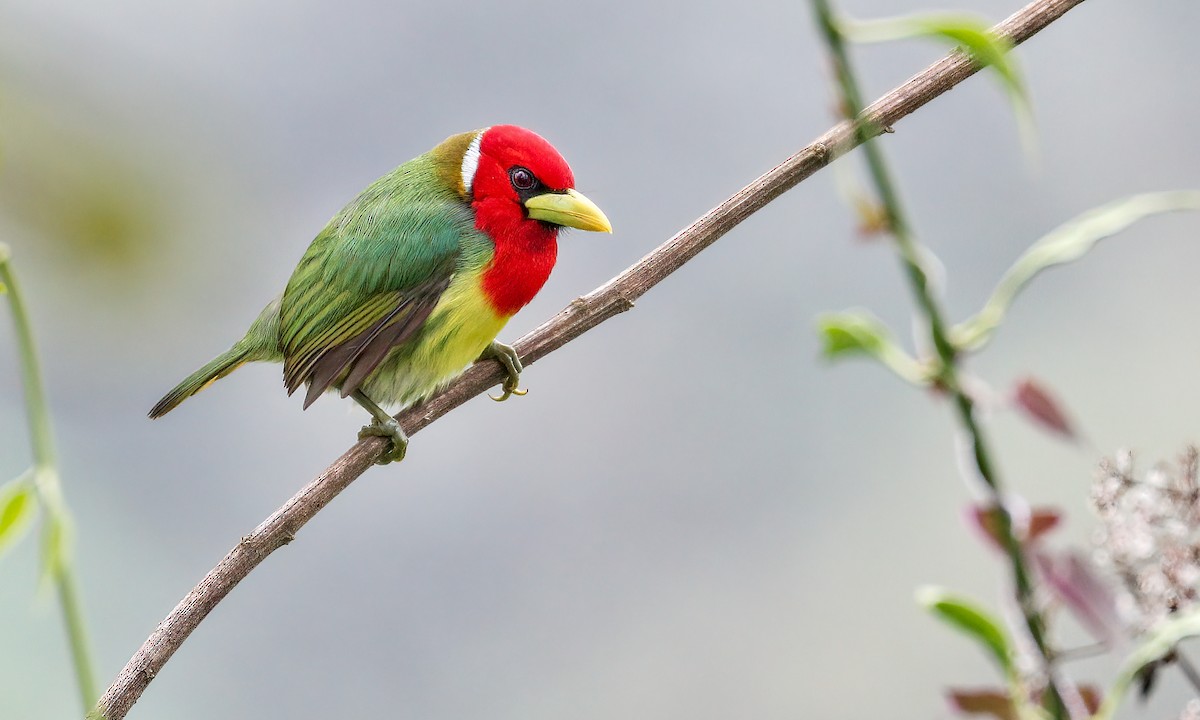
(971, 619)
(18, 505)
(84, 196)
(1067, 243)
(857, 332)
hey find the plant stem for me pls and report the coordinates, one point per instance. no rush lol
(947, 378)
(45, 473)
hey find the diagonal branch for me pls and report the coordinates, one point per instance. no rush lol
(585, 313)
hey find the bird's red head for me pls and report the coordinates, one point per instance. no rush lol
(493, 163)
(522, 192)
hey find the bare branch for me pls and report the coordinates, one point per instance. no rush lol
(585, 313)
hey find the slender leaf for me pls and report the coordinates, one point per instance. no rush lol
(18, 506)
(971, 619)
(991, 703)
(1160, 642)
(1034, 400)
(1067, 243)
(970, 33)
(857, 332)
(850, 333)
(1073, 579)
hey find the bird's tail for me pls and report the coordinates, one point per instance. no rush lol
(218, 368)
(260, 343)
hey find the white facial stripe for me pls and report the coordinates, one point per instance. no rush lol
(470, 162)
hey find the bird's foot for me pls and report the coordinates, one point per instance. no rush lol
(382, 425)
(507, 356)
(387, 429)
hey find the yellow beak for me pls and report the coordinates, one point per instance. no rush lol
(570, 209)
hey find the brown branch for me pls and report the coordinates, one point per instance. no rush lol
(585, 313)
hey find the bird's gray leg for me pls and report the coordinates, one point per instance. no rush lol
(507, 356)
(383, 425)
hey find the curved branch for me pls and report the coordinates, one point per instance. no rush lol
(583, 314)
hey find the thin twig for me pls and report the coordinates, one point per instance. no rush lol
(612, 298)
(1188, 669)
(947, 377)
(49, 490)
(1083, 652)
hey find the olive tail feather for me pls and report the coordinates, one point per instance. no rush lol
(218, 368)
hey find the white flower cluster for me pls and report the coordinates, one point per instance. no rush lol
(1149, 535)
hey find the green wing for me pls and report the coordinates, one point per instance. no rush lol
(369, 281)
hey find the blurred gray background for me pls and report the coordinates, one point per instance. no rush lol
(690, 515)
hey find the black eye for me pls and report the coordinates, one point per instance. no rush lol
(522, 179)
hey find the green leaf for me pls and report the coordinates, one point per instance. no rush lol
(970, 33)
(968, 617)
(851, 332)
(1067, 243)
(18, 505)
(1156, 644)
(856, 332)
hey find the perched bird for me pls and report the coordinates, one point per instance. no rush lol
(413, 280)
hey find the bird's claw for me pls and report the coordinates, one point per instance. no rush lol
(509, 391)
(507, 356)
(391, 430)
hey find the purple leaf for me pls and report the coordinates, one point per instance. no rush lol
(992, 703)
(1042, 408)
(1042, 521)
(1089, 598)
(1091, 696)
(986, 520)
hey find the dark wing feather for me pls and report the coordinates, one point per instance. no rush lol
(391, 335)
(302, 354)
(355, 359)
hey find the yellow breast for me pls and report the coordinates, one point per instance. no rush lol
(461, 326)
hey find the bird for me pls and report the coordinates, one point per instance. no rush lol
(414, 279)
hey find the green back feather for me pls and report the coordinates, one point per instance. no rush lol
(382, 261)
